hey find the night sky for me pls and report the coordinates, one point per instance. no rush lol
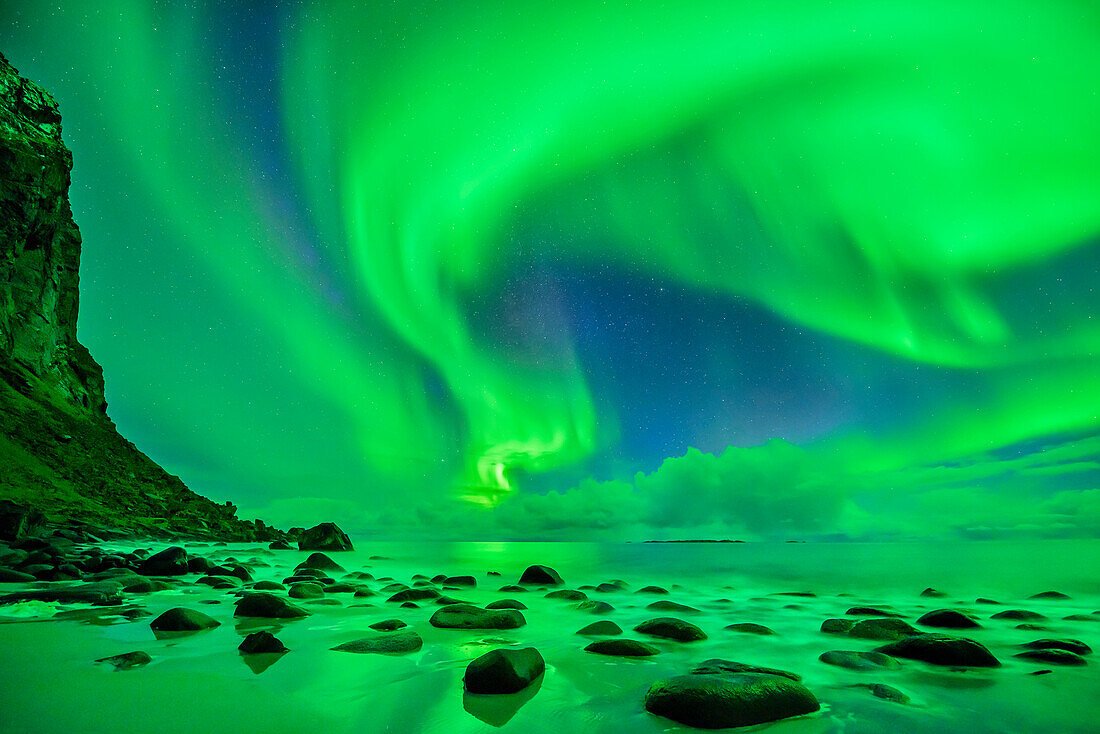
(595, 271)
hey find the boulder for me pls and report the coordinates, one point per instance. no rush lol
(541, 575)
(182, 619)
(460, 581)
(306, 590)
(393, 643)
(506, 604)
(504, 671)
(651, 590)
(595, 607)
(948, 619)
(883, 691)
(169, 562)
(723, 701)
(672, 629)
(1057, 595)
(262, 604)
(622, 647)
(720, 666)
(468, 616)
(871, 612)
(414, 595)
(940, 649)
(567, 595)
(1018, 614)
(671, 606)
(320, 562)
(261, 642)
(603, 627)
(324, 537)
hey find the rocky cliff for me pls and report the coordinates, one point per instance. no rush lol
(61, 459)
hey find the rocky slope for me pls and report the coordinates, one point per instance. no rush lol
(61, 459)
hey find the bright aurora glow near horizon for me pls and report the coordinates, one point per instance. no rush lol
(595, 271)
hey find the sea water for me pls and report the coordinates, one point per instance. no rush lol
(199, 683)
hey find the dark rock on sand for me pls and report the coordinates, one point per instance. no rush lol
(506, 604)
(128, 660)
(182, 619)
(394, 643)
(1052, 657)
(324, 537)
(603, 627)
(1018, 614)
(855, 660)
(543, 575)
(750, 628)
(468, 616)
(622, 647)
(672, 629)
(940, 649)
(388, 625)
(722, 701)
(169, 562)
(504, 671)
(948, 619)
(1074, 646)
(671, 606)
(262, 604)
(261, 642)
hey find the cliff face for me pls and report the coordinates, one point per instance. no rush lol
(61, 459)
(40, 247)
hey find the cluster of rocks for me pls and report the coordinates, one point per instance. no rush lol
(716, 693)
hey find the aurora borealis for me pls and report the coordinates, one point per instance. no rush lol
(493, 269)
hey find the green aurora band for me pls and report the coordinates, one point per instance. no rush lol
(875, 171)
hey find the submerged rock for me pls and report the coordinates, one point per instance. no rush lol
(855, 660)
(1050, 595)
(468, 616)
(567, 595)
(883, 691)
(872, 612)
(414, 595)
(182, 619)
(128, 660)
(320, 562)
(652, 590)
(750, 628)
(672, 629)
(622, 647)
(723, 701)
(394, 643)
(1052, 657)
(543, 575)
(671, 606)
(882, 629)
(504, 671)
(931, 593)
(1074, 646)
(262, 604)
(388, 625)
(324, 537)
(1018, 614)
(595, 607)
(721, 666)
(940, 649)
